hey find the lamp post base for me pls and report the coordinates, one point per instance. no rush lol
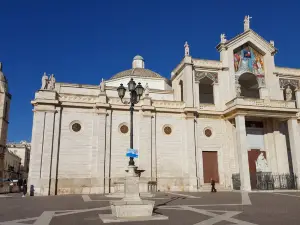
(132, 205)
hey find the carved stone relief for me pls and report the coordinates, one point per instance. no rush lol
(211, 75)
(284, 82)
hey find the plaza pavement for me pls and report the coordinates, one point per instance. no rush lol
(202, 208)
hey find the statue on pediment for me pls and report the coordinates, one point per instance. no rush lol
(247, 23)
(51, 82)
(261, 164)
(223, 38)
(288, 93)
(102, 86)
(44, 81)
(186, 49)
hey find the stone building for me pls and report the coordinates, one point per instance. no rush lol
(12, 165)
(5, 98)
(22, 150)
(211, 119)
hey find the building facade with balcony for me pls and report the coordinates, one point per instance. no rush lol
(211, 120)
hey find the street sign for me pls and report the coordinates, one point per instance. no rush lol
(132, 153)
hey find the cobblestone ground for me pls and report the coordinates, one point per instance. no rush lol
(202, 208)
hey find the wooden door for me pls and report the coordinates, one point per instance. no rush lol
(252, 157)
(210, 166)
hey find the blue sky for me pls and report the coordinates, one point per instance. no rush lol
(83, 41)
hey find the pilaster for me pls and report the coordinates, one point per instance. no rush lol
(55, 151)
(293, 129)
(217, 102)
(297, 94)
(270, 145)
(242, 152)
(145, 143)
(263, 93)
(280, 148)
(188, 82)
(190, 149)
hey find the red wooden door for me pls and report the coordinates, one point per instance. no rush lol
(210, 166)
(252, 157)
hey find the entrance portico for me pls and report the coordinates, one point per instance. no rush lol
(278, 134)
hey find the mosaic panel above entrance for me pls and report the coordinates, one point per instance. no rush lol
(247, 59)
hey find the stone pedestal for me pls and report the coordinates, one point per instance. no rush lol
(131, 207)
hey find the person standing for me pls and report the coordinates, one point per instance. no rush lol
(213, 183)
(24, 188)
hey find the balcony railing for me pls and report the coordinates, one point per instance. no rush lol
(266, 103)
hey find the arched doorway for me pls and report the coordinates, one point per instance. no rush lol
(249, 85)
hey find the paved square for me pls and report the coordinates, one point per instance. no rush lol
(200, 208)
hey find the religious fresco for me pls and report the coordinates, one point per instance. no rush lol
(247, 59)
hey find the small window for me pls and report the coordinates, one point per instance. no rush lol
(207, 132)
(76, 127)
(124, 129)
(167, 130)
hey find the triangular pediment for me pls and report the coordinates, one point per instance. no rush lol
(251, 37)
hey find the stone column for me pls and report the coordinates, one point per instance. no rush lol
(242, 152)
(293, 129)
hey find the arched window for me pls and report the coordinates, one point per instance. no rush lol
(181, 90)
(206, 91)
(249, 85)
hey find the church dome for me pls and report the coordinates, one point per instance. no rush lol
(138, 57)
(138, 70)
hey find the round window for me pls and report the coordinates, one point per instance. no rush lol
(207, 132)
(124, 129)
(76, 127)
(167, 130)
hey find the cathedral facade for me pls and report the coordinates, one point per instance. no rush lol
(210, 120)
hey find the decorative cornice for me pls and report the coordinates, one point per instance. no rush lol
(287, 71)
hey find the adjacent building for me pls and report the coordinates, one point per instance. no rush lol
(5, 98)
(211, 119)
(12, 165)
(22, 150)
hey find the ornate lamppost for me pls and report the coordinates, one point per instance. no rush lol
(136, 91)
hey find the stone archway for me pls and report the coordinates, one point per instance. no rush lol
(249, 85)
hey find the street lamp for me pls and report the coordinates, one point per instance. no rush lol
(136, 91)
